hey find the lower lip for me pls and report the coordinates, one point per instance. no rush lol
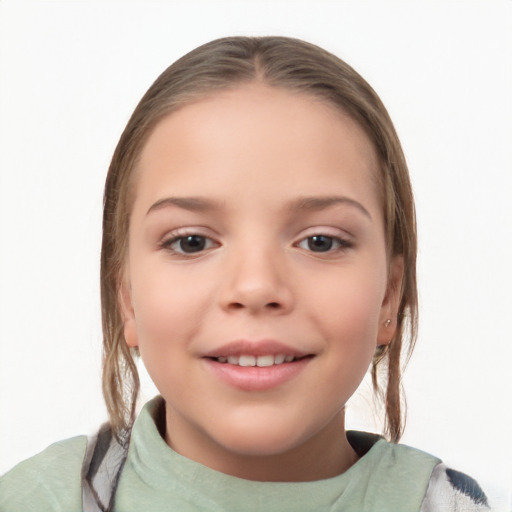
(256, 378)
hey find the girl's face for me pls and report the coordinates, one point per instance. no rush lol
(256, 284)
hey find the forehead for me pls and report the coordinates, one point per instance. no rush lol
(254, 133)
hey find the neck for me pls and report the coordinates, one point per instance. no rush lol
(324, 455)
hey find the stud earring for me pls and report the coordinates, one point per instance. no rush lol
(387, 323)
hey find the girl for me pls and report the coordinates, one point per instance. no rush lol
(259, 251)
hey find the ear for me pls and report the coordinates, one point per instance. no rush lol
(128, 314)
(389, 311)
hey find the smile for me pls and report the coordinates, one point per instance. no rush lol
(260, 361)
(256, 366)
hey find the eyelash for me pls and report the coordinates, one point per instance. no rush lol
(336, 244)
(179, 236)
(340, 244)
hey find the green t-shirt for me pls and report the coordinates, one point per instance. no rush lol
(155, 478)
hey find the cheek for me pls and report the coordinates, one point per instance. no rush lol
(170, 305)
(349, 314)
(165, 324)
(351, 332)
(168, 308)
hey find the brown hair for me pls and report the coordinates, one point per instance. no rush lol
(280, 62)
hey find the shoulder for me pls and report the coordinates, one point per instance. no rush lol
(453, 491)
(417, 478)
(396, 477)
(404, 461)
(48, 481)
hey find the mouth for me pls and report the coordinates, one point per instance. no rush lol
(262, 361)
(257, 365)
(261, 353)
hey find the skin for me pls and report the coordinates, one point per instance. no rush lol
(255, 152)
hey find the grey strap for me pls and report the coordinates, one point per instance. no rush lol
(101, 469)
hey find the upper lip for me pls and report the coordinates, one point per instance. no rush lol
(264, 347)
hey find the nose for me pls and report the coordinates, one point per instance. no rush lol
(256, 281)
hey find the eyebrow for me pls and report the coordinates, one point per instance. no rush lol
(193, 204)
(315, 203)
(310, 203)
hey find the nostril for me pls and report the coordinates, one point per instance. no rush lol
(234, 306)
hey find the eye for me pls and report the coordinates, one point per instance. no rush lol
(323, 243)
(189, 244)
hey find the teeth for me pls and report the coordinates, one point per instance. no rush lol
(247, 361)
(265, 361)
(279, 359)
(260, 361)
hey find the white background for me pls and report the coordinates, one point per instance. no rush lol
(71, 73)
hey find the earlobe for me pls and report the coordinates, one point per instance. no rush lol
(389, 311)
(128, 315)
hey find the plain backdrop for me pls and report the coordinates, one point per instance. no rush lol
(71, 73)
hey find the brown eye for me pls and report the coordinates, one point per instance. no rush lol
(324, 243)
(320, 243)
(193, 243)
(189, 244)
